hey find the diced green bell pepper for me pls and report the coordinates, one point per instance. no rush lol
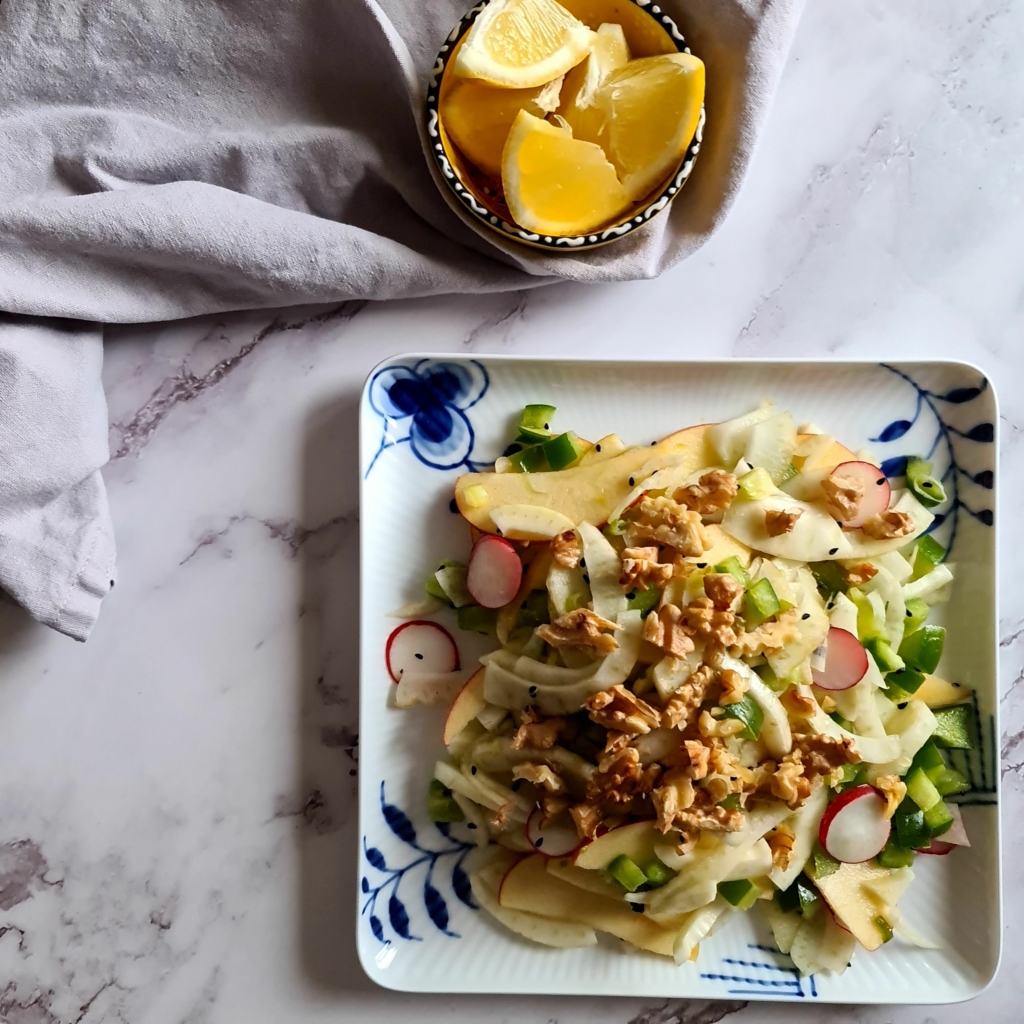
(749, 712)
(616, 528)
(538, 417)
(884, 927)
(756, 484)
(564, 450)
(923, 485)
(901, 685)
(917, 612)
(928, 553)
(434, 589)
(760, 603)
(922, 790)
(870, 623)
(949, 782)
(474, 619)
(732, 566)
(824, 865)
(853, 775)
(643, 601)
(741, 893)
(922, 649)
(530, 460)
(789, 899)
(658, 875)
(909, 826)
(767, 676)
(829, 577)
(626, 872)
(731, 802)
(893, 856)
(954, 727)
(530, 435)
(938, 819)
(534, 610)
(885, 657)
(929, 759)
(441, 805)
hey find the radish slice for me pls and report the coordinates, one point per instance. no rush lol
(424, 647)
(846, 661)
(937, 848)
(557, 840)
(876, 491)
(854, 827)
(954, 836)
(495, 572)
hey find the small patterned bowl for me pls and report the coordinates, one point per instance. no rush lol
(649, 31)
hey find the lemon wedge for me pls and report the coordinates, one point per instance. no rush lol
(478, 117)
(520, 44)
(652, 106)
(555, 184)
(580, 106)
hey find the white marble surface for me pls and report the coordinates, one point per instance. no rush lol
(177, 839)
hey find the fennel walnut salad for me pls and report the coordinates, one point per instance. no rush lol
(712, 689)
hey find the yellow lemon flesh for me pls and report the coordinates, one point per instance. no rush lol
(519, 44)
(478, 117)
(580, 106)
(555, 184)
(652, 107)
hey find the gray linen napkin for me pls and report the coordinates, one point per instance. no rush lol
(168, 158)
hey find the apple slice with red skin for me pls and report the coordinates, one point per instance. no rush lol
(558, 839)
(846, 661)
(494, 573)
(854, 827)
(422, 646)
(468, 703)
(877, 491)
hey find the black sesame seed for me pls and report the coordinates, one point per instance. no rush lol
(880, 481)
(631, 481)
(470, 824)
(583, 563)
(453, 506)
(927, 483)
(547, 426)
(638, 908)
(539, 842)
(472, 769)
(418, 656)
(732, 778)
(653, 443)
(597, 446)
(806, 615)
(838, 523)
(586, 578)
(702, 565)
(533, 691)
(632, 594)
(909, 612)
(902, 706)
(832, 551)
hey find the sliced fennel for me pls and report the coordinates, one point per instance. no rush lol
(604, 568)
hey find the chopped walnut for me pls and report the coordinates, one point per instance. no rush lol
(781, 841)
(843, 495)
(565, 550)
(620, 778)
(858, 573)
(798, 705)
(684, 702)
(723, 590)
(622, 711)
(535, 732)
(701, 618)
(664, 629)
(641, 568)
(615, 742)
(733, 687)
(822, 753)
(769, 636)
(889, 523)
(712, 493)
(894, 789)
(663, 521)
(551, 807)
(699, 756)
(580, 628)
(500, 819)
(586, 818)
(674, 795)
(722, 727)
(777, 521)
(790, 784)
(702, 813)
(539, 775)
(687, 841)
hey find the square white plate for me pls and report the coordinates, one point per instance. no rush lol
(417, 926)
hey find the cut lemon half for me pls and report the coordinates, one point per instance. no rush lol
(580, 106)
(478, 117)
(652, 107)
(520, 44)
(555, 184)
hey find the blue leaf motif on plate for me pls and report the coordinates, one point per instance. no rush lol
(425, 406)
(376, 858)
(398, 916)
(376, 927)
(894, 467)
(462, 888)
(399, 823)
(436, 906)
(894, 431)
(960, 395)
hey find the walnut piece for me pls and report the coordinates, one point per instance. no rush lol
(539, 775)
(622, 711)
(889, 523)
(718, 727)
(586, 817)
(733, 687)
(842, 496)
(641, 568)
(671, 798)
(790, 784)
(723, 589)
(664, 521)
(699, 756)
(580, 628)
(702, 813)
(565, 550)
(781, 841)
(858, 573)
(620, 779)
(551, 807)
(536, 732)
(777, 522)
(500, 819)
(769, 636)
(701, 618)
(894, 789)
(682, 705)
(799, 705)
(822, 753)
(664, 629)
(712, 493)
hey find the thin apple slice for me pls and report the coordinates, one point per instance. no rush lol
(495, 572)
(422, 646)
(530, 522)
(856, 907)
(468, 703)
(592, 881)
(846, 661)
(558, 838)
(854, 827)
(876, 491)
(636, 841)
(419, 687)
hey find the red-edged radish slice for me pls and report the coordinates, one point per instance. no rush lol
(876, 491)
(494, 572)
(954, 836)
(854, 827)
(422, 646)
(846, 661)
(558, 839)
(937, 848)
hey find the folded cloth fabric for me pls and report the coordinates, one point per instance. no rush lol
(168, 158)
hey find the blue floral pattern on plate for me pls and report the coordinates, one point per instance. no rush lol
(424, 406)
